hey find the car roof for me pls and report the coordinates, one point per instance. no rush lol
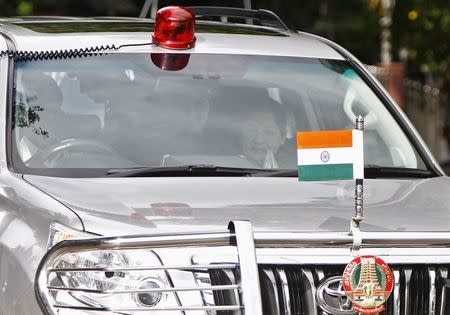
(65, 33)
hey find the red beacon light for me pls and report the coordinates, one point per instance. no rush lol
(175, 28)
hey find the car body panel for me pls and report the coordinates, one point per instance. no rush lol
(162, 205)
(25, 217)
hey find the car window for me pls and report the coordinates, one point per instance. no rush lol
(131, 110)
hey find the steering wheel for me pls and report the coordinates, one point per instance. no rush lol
(47, 154)
(370, 120)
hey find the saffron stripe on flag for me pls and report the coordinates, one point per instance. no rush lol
(325, 172)
(324, 139)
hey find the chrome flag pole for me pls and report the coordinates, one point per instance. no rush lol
(359, 187)
(359, 203)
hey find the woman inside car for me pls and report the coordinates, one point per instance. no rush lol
(263, 133)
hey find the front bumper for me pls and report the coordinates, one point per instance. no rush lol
(249, 259)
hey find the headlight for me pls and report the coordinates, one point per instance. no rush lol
(109, 279)
(125, 275)
(116, 280)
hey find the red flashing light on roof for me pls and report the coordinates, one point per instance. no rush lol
(171, 62)
(175, 28)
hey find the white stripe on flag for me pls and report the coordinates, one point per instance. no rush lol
(337, 156)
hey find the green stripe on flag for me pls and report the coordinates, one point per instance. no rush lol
(325, 172)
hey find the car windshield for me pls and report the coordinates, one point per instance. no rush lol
(133, 110)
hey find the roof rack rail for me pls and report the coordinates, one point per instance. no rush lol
(152, 7)
(265, 17)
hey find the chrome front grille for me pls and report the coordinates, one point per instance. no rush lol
(225, 297)
(418, 289)
(220, 288)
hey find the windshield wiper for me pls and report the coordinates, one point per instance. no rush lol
(184, 170)
(370, 171)
(376, 171)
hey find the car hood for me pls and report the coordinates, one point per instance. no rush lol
(131, 206)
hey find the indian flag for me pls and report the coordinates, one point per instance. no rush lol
(330, 155)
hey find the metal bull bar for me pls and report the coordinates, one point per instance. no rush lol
(247, 242)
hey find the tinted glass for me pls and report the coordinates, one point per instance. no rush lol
(123, 110)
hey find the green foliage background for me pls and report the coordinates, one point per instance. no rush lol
(422, 27)
(427, 37)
